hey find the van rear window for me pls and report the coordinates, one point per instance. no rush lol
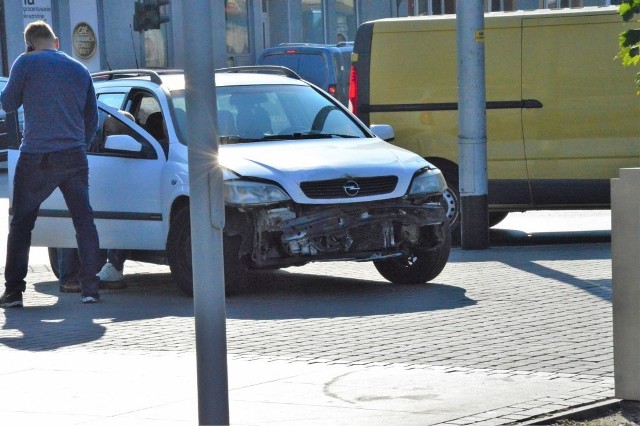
(289, 61)
(313, 68)
(310, 67)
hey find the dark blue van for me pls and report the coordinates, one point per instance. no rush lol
(325, 65)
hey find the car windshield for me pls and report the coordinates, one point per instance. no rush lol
(273, 112)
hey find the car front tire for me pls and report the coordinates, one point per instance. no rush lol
(419, 267)
(179, 257)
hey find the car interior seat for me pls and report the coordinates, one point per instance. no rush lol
(252, 120)
(156, 128)
(155, 125)
(226, 124)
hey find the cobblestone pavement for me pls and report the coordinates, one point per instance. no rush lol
(540, 311)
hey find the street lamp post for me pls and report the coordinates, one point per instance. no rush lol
(207, 215)
(472, 125)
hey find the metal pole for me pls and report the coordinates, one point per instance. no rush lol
(472, 122)
(207, 215)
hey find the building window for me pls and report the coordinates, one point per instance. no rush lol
(558, 4)
(425, 7)
(499, 5)
(312, 21)
(237, 17)
(155, 48)
(345, 24)
(155, 45)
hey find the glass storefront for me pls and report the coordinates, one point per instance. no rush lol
(237, 17)
(312, 21)
(344, 20)
(155, 49)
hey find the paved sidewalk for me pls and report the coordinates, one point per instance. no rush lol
(503, 335)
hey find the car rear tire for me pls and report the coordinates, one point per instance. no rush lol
(53, 260)
(419, 267)
(179, 257)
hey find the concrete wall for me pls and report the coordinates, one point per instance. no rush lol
(625, 241)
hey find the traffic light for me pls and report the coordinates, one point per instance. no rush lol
(147, 15)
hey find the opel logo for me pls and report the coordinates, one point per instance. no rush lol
(351, 188)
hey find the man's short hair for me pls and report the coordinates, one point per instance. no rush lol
(38, 31)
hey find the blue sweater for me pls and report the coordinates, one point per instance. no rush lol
(59, 101)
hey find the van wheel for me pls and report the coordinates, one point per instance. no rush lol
(53, 261)
(496, 217)
(179, 257)
(421, 266)
(451, 198)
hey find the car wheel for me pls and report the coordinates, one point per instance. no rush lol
(179, 257)
(419, 267)
(235, 272)
(179, 250)
(53, 260)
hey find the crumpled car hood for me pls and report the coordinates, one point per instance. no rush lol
(291, 162)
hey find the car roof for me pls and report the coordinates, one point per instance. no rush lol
(175, 80)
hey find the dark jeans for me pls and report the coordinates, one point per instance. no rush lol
(36, 177)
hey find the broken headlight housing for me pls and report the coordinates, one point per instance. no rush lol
(428, 181)
(240, 192)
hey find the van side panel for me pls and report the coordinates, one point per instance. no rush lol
(560, 108)
(582, 135)
(414, 88)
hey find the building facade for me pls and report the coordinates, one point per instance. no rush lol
(100, 33)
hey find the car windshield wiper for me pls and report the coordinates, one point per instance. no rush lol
(306, 135)
(233, 139)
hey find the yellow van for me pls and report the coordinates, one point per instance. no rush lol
(562, 114)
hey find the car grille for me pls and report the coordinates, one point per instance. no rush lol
(349, 187)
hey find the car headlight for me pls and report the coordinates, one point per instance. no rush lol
(243, 192)
(428, 182)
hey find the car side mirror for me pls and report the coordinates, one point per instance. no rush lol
(383, 131)
(122, 143)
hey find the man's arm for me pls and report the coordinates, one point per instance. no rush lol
(11, 96)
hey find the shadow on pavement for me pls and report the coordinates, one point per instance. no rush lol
(285, 295)
(541, 260)
(52, 320)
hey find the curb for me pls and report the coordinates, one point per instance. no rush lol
(584, 412)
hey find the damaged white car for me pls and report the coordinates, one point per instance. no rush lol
(304, 181)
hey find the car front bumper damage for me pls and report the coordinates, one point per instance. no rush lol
(296, 234)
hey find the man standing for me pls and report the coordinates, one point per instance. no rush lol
(60, 119)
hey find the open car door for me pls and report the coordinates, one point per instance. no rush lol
(125, 206)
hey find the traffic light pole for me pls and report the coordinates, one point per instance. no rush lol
(207, 215)
(472, 125)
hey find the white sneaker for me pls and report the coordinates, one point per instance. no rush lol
(110, 273)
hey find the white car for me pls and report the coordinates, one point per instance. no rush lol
(304, 181)
(10, 128)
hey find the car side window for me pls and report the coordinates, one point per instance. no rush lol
(148, 114)
(117, 124)
(114, 100)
